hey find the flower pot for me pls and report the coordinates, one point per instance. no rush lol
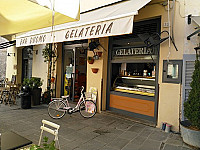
(190, 136)
(36, 96)
(99, 54)
(52, 80)
(91, 61)
(95, 70)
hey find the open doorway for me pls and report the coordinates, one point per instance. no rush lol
(27, 60)
(74, 69)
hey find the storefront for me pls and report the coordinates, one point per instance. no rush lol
(133, 73)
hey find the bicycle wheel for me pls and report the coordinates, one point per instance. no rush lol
(87, 108)
(55, 109)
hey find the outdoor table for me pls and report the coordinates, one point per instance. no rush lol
(11, 141)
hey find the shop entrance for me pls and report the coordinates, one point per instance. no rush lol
(74, 69)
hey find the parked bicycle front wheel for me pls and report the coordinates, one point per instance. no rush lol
(87, 108)
(56, 109)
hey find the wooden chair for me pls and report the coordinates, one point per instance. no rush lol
(51, 131)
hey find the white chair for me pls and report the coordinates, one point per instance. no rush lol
(51, 131)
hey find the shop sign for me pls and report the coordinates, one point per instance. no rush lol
(80, 31)
(33, 40)
(96, 29)
(134, 51)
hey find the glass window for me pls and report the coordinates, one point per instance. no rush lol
(134, 78)
(172, 71)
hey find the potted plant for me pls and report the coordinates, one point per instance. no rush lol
(34, 83)
(190, 129)
(45, 145)
(90, 60)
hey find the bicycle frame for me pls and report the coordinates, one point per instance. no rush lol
(65, 100)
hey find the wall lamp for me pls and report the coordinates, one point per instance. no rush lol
(9, 54)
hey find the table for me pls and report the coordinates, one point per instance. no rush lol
(11, 140)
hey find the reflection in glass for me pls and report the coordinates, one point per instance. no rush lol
(172, 71)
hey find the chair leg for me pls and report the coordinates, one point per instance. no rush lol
(57, 144)
(40, 138)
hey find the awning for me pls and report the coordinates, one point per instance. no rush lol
(116, 19)
(18, 16)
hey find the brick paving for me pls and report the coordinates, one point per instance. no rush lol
(102, 132)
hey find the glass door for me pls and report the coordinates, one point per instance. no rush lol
(74, 69)
(69, 72)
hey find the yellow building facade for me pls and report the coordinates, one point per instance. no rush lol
(165, 104)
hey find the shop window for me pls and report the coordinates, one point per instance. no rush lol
(172, 71)
(134, 78)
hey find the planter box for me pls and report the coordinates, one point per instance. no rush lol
(190, 137)
(36, 96)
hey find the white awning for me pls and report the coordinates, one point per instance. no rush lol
(116, 19)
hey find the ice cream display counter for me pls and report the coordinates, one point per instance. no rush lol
(135, 84)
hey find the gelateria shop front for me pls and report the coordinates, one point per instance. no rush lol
(133, 74)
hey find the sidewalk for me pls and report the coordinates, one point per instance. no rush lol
(102, 132)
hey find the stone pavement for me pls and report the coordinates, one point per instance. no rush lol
(102, 132)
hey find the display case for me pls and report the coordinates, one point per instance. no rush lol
(135, 84)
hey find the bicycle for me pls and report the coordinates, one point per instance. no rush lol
(59, 106)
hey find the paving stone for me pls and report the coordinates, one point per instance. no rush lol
(72, 144)
(107, 148)
(139, 140)
(124, 126)
(138, 128)
(175, 142)
(131, 146)
(78, 133)
(118, 143)
(150, 145)
(128, 135)
(171, 147)
(147, 131)
(107, 138)
(158, 135)
(92, 145)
